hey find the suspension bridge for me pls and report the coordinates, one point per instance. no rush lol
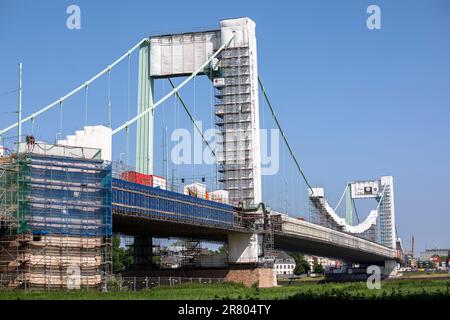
(70, 196)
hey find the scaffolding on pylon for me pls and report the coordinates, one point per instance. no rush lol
(234, 121)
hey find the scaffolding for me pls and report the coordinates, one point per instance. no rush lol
(386, 217)
(191, 254)
(234, 120)
(371, 233)
(56, 218)
(319, 215)
(263, 222)
(268, 246)
(8, 194)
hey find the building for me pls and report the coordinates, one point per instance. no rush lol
(171, 262)
(284, 264)
(410, 261)
(430, 253)
(126, 241)
(437, 259)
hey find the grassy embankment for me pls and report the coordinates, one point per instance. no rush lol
(401, 289)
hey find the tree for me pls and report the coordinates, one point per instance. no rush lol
(180, 243)
(301, 265)
(223, 249)
(122, 258)
(188, 244)
(318, 268)
(299, 269)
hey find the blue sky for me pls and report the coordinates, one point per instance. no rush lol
(355, 103)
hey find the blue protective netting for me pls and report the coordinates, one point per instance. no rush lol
(155, 203)
(61, 195)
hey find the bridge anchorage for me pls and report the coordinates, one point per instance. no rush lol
(60, 203)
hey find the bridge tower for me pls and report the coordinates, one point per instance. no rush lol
(144, 133)
(383, 191)
(237, 112)
(348, 205)
(234, 75)
(237, 106)
(388, 235)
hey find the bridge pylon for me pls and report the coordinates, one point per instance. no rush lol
(144, 133)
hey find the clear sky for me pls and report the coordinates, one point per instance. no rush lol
(355, 103)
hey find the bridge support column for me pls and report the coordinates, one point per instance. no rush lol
(244, 251)
(243, 248)
(142, 252)
(390, 268)
(250, 275)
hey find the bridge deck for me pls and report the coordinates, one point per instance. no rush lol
(303, 236)
(141, 209)
(138, 209)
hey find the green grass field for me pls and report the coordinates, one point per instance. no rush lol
(401, 289)
(413, 275)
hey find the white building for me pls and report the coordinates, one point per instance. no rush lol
(284, 264)
(126, 241)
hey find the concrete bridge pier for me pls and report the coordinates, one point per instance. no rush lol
(390, 269)
(245, 254)
(142, 252)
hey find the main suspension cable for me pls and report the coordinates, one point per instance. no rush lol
(191, 117)
(283, 135)
(109, 100)
(61, 118)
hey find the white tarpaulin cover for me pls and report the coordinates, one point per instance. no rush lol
(181, 54)
(319, 194)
